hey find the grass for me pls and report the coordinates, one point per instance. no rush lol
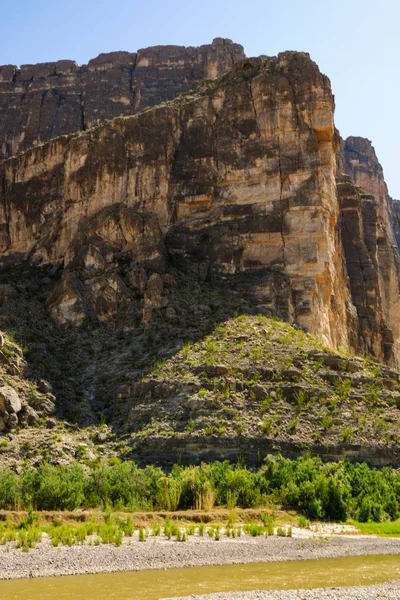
(114, 528)
(382, 529)
(26, 531)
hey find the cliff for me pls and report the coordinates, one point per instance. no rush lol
(370, 236)
(40, 102)
(237, 177)
(161, 242)
(43, 101)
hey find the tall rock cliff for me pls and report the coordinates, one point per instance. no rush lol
(237, 177)
(369, 230)
(160, 242)
(40, 102)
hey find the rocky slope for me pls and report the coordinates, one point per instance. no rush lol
(40, 102)
(255, 385)
(216, 386)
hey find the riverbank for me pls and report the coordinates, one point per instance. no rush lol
(161, 553)
(387, 591)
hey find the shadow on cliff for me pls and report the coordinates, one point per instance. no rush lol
(91, 368)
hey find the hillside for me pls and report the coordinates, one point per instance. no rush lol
(222, 383)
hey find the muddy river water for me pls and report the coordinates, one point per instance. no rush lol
(152, 585)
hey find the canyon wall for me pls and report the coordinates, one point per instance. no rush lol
(238, 177)
(43, 101)
(369, 229)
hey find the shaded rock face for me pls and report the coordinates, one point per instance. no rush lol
(239, 177)
(40, 102)
(396, 220)
(370, 236)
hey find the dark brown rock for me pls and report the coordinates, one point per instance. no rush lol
(371, 234)
(45, 404)
(40, 102)
(28, 415)
(12, 421)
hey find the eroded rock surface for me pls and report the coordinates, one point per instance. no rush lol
(370, 235)
(40, 102)
(237, 177)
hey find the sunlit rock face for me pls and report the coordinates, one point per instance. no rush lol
(40, 102)
(238, 177)
(370, 234)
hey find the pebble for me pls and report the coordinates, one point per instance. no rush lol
(159, 553)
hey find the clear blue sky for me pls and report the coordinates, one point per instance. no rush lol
(355, 42)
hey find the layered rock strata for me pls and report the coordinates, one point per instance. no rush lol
(40, 102)
(238, 177)
(370, 235)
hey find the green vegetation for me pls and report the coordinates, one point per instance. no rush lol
(330, 491)
(228, 376)
(382, 529)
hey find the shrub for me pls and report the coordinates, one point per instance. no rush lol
(318, 490)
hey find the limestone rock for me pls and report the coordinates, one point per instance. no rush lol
(40, 102)
(28, 415)
(44, 403)
(9, 400)
(44, 386)
(371, 239)
(237, 178)
(232, 191)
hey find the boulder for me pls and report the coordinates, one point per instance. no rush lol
(9, 400)
(259, 391)
(44, 403)
(44, 386)
(28, 415)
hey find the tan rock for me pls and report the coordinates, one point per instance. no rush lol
(9, 400)
(239, 177)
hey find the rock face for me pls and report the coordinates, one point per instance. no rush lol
(238, 177)
(396, 220)
(370, 235)
(40, 102)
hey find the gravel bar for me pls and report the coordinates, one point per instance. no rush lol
(46, 560)
(387, 591)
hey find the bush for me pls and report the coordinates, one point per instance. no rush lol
(332, 491)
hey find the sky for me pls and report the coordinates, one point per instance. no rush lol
(355, 42)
